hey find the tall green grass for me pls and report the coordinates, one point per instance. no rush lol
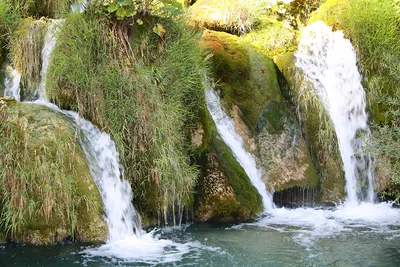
(9, 18)
(25, 49)
(42, 8)
(373, 27)
(41, 178)
(142, 89)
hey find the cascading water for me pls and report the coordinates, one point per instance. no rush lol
(328, 61)
(116, 192)
(79, 6)
(11, 82)
(49, 43)
(234, 141)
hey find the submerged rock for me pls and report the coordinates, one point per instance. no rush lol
(46, 189)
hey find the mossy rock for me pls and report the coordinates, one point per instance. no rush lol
(285, 158)
(46, 188)
(272, 37)
(236, 17)
(224, 191)
(246, 77)
(330, 13)
(248, 81)
(315, 121)
(219, 201)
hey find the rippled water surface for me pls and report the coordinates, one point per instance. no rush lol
(300, 237)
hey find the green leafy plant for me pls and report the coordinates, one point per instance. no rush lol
(122, 9)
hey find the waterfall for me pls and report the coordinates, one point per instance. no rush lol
(11, 82)
(226, 129)
(48, 46)
(107, 172)
(329, 63)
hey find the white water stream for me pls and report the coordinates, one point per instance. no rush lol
(48, 46)
(11, 82)
(329, 62)
(226, 129)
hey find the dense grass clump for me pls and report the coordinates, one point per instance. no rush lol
(9, 18)
(42, 8)
(25, 49)
(45, 183)
(143, 89)
(235, 17)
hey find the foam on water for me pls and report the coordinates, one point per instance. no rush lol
(311, 224)
(147, 249)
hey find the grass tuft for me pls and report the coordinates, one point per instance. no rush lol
(142, 89)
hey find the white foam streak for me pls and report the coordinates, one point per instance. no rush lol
(329, 62)
(11, 83)
(226, 129)
(49, 43)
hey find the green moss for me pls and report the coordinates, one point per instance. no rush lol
(44, 166)
(272, 37)
(246, 201)
(272, 117)
(244, 190)
(330, 12)
(246, 77)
